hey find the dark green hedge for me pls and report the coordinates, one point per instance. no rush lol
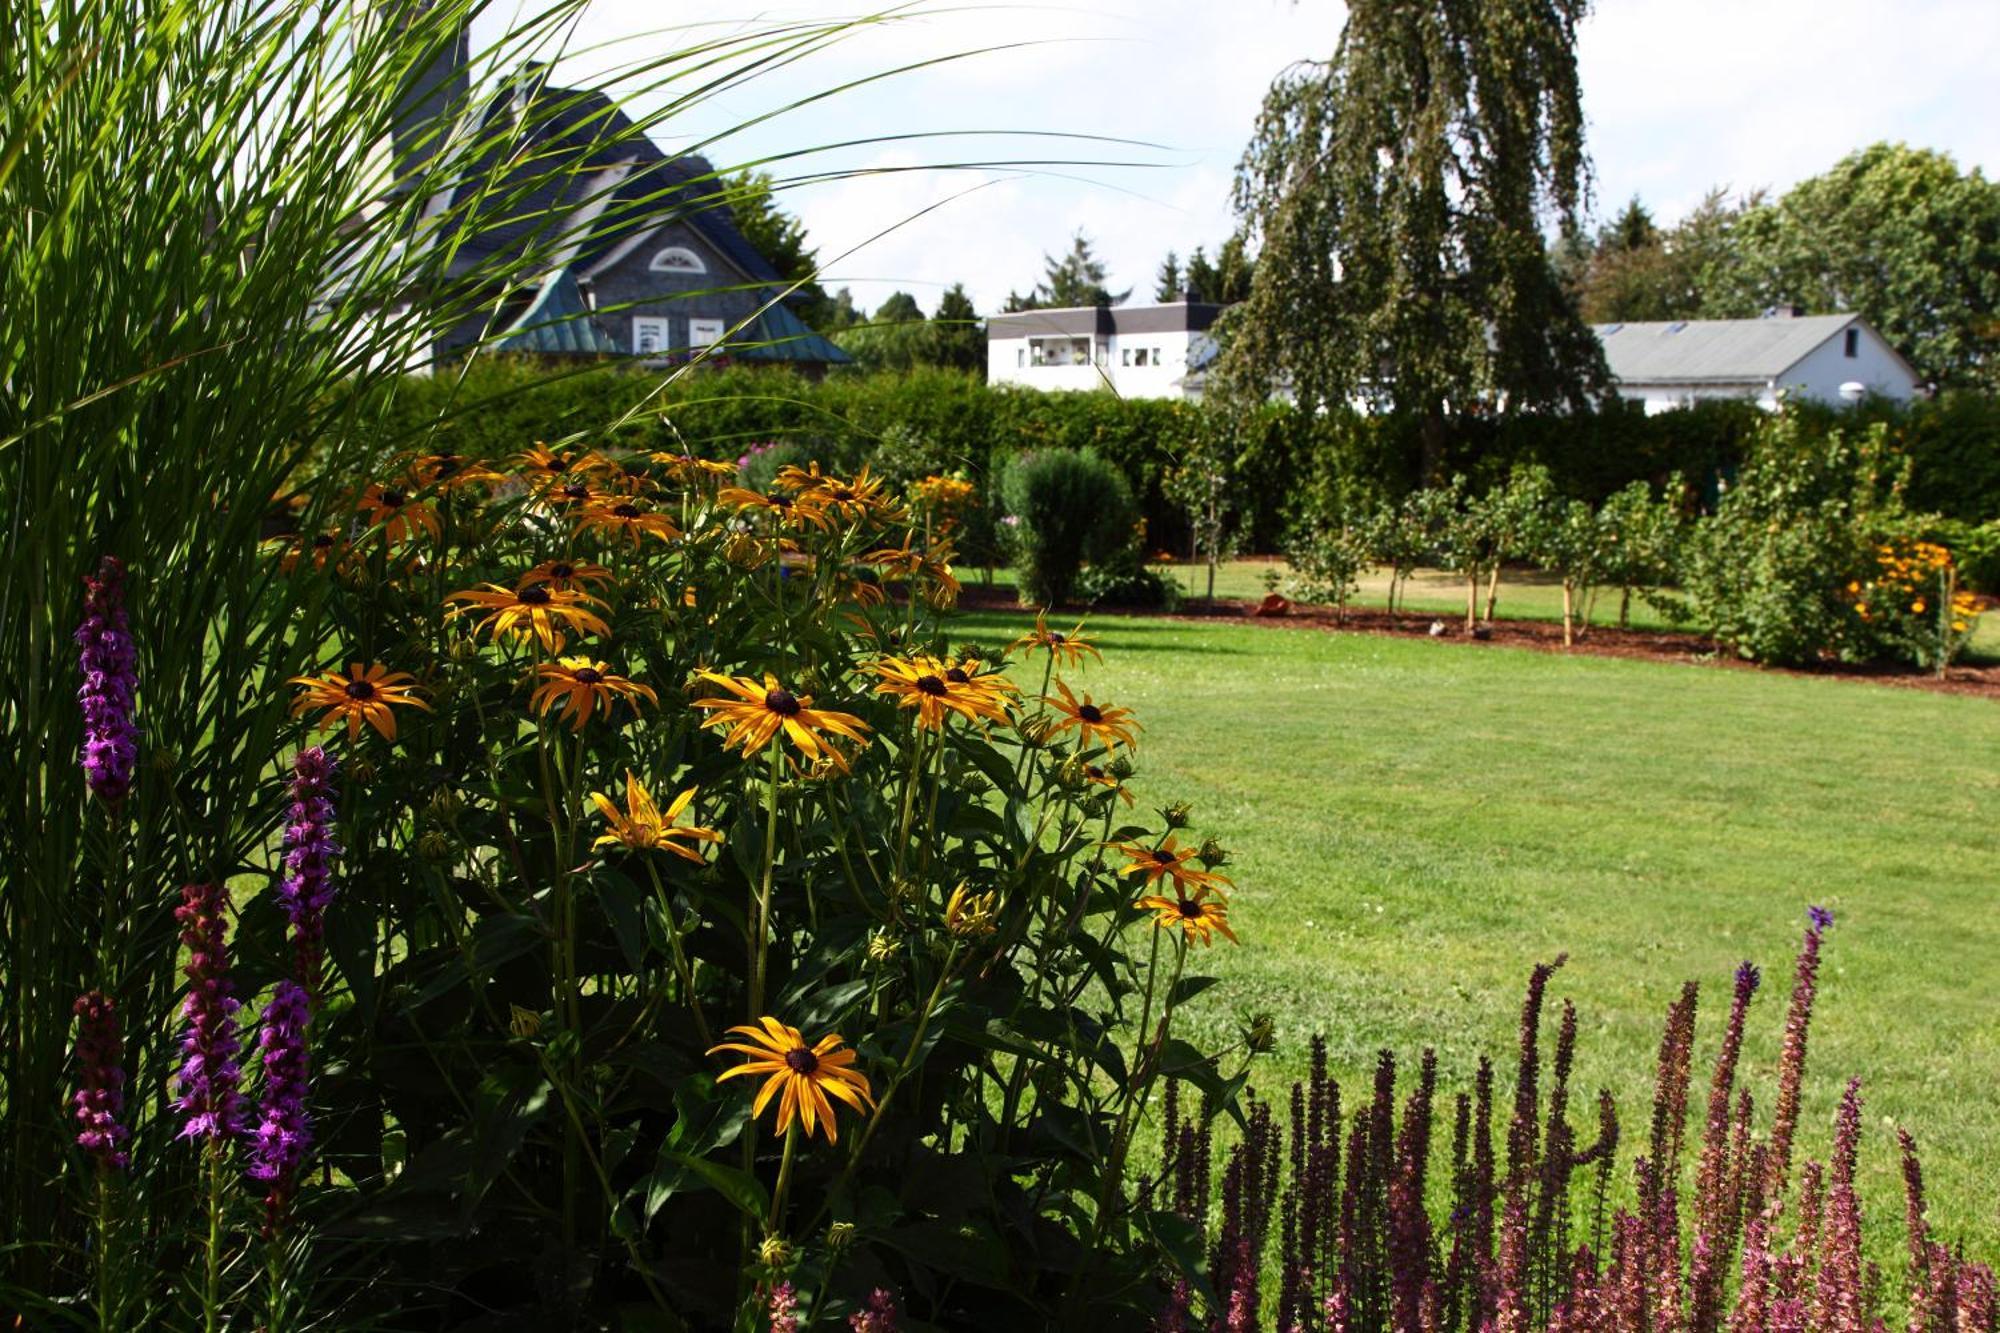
(925, 420)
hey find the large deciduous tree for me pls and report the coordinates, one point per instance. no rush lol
(1400, 192)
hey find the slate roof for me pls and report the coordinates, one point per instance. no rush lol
(1714, 351)
(625, 186)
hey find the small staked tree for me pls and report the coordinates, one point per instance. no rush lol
(1641, 539)
(1199, 483)
(1571, 545)
(1515, 515)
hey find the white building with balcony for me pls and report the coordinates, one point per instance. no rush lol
(1138, 351)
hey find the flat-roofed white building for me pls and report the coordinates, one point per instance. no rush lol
(1677, 363)
(1140, 351)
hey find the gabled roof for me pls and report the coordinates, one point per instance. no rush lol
(1717, 351)
(512, 201)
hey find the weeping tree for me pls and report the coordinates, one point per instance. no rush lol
(1400, 193)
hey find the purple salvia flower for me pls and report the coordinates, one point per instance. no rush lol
(1792, 1061)
(210, 1102)
(881, 1315)
(284, 1127)
(110, 665)
(310, 852)
(100, 1077)
(1820, 917)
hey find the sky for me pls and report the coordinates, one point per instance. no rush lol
(1681, 96)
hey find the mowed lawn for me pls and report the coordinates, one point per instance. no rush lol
(1414, 823)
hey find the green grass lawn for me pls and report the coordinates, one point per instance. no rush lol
(1413, 824)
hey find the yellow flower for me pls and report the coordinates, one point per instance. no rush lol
(566, 575)
(969, 914)
(1067, 649)
(927, 685)
(1167, 861)
(641, 827)
(394, 513)
(842, 499)
(365, 694)
(535, 609)
(1199, 915)
(626, 518)
(449, 472)
(582, 686)
(805, 1075)
(687, 468)
(933, 566)
(758, 714)
(1101, 723)
(785, 510)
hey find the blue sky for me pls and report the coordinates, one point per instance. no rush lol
(1681, 95)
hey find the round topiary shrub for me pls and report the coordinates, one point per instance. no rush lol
(1063, 509)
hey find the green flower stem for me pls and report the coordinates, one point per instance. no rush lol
(761, 930)
(211, 1290)
(681, 967)
(771, 1224)
(107, 1305)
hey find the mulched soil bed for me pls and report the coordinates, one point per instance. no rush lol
(1541, 636)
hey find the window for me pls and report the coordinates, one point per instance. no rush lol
(1854, 342)
(1020, 356)
(677, 259)
(1124, 356)
(649, 335)
(1059, 351)
(703, 332)
(1156, 357)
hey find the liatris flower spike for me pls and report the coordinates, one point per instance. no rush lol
(100, 1078)
(284, 1128)
(110, 665)
(310, 852)
(209, 1101)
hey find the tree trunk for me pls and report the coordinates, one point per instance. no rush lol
(1625, 609)
(1492, 591)
(1434, 434)
(1569, 602)
(1471, 598)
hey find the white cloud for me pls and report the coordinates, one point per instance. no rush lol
(1681, 95)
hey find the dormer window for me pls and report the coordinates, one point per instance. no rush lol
(677, 259)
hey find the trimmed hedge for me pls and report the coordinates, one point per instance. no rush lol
(942, 420)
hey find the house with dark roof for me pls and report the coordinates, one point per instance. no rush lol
(623, 250)
(1139, 351)
(1826, 358)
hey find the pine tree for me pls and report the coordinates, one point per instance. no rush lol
(1167, 286)
(957, 338)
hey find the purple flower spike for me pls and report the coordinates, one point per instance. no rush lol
(210, 1103)
(110, 666)
(284, 1127)
(100, 1093)
(1821, 917)
(881, 1316)
(1748, 977)
(310, 852)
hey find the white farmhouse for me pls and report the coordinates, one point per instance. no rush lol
(1827, 358)
(1139, 351)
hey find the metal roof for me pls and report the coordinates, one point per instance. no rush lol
(557, 323)
(1715, 351)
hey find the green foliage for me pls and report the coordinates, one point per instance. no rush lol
(1075, 278)
(1224, 280)
(1327, 559)
(1397, 194)
(781, 239)
(1768, 574)
(1064, 508)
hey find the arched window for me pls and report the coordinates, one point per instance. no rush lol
(677, 259)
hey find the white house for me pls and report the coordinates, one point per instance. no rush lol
(1141, 351)
(1821, 357)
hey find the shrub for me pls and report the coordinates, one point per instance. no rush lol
(1326, 562)
(1124, 580)
(1064, 509)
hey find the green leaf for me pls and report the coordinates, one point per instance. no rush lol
(740, 1188)
(625, 908)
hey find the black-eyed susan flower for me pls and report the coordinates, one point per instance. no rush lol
(566, 575)
(1097, 722)
(642, 828)
(929, 566)
(968, 914)
(391, 511)
(1067, 649)
(450, 472)
(801, 1076)
(321, 550)
(628, 517)
(787, 511)
(1099, 777)
(364, 694)
(1199, 914)
(580, 686)
(757, 713)
(687, 468)
(924, 683)
(543, 462)
(1169, 861)
(536, 609)
(840, 499)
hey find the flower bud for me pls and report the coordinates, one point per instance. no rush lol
(434, 845)
(839, 1236)
(1260, 1034)
(775, 1253)
(446, 803)
(1213, 855)
(1178, 814)
(523, 1023)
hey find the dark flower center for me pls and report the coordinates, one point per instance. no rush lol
(391, 499)
(931, 685)
(1089, 713)
(561, 571)
(1057, 636)
(360, 689)
(534, 595)
(588, 676)
(448, 466)
(323, 542)
(801, 1061)
(1190, 909)
(576, 490)
(778, 501)
(626, 511)
(841, 494)
(557, 463)
(957, 676)
(782, 702)
(1165, 857)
